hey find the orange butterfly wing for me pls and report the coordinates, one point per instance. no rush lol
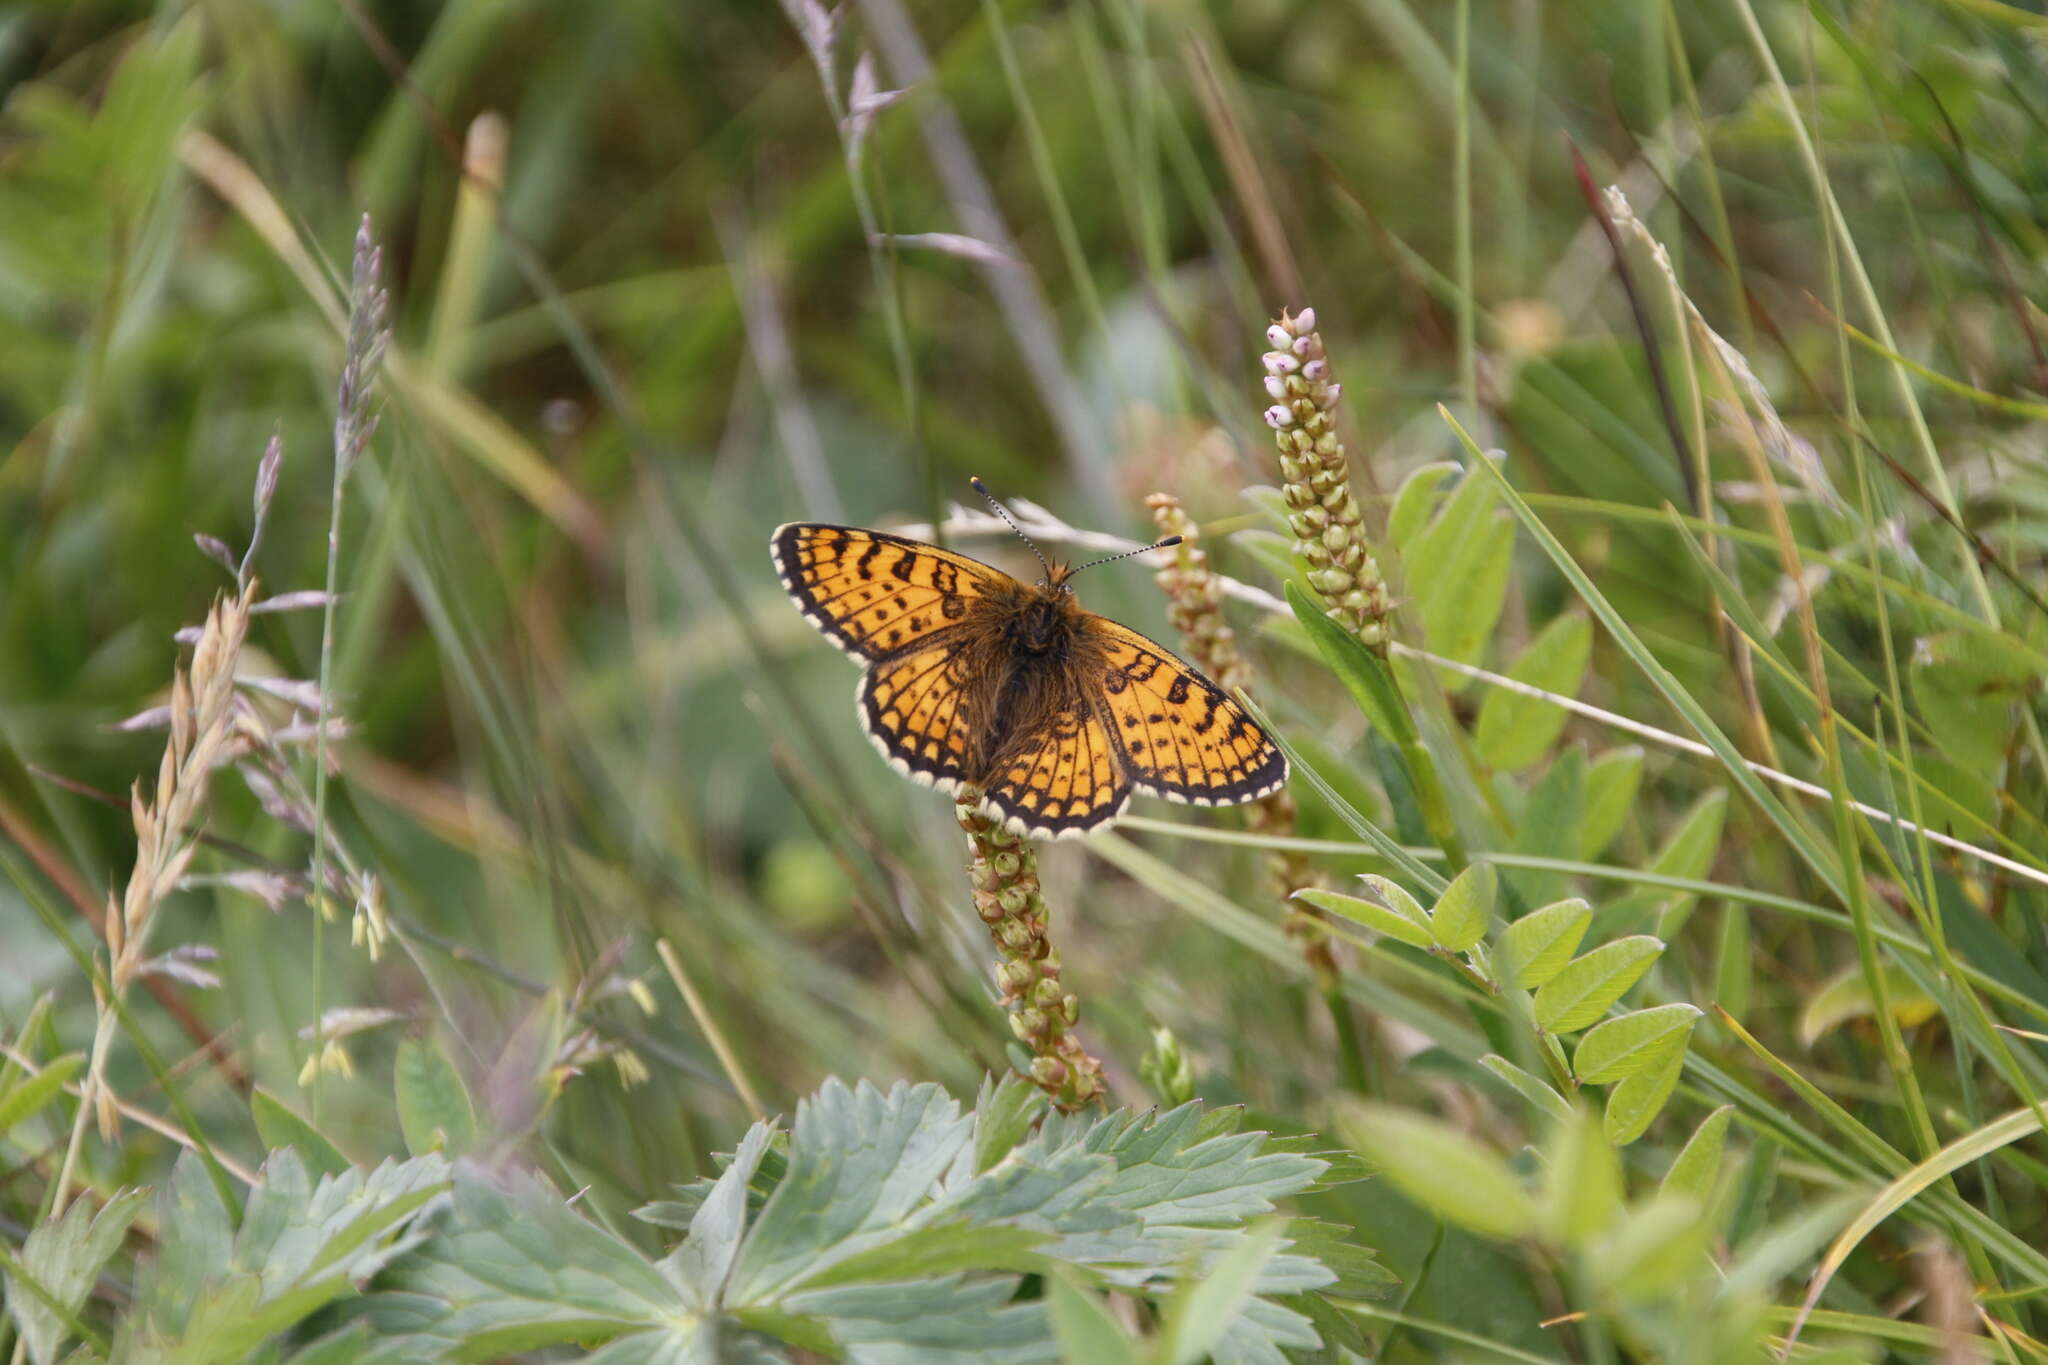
(1068, 779)
(874, 594)
(1180, 735)
(915, 707)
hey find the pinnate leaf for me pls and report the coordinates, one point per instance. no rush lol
(1458, 923)
(1620, 1047)
(1536, 947)
(1443, 1170)
(1583, 991)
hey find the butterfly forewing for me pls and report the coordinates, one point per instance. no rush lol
(1181, 735)
(874, 594)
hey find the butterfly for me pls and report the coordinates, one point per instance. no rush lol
(973, 678)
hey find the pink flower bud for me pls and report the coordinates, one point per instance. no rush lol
(1280, 362)
(1279, 337)
(1316, 371)
(1330, 396)
(1276, 387)
(1279, 417)
(1305, 320)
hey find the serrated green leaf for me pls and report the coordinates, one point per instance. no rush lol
(1515, 730)
(859, 1160)
(280, 1126)
(28, 1096)
(1611, 784)
(1003, 1114)
(1083, 1326)
(1582, 992)
(1582, 1183)
(705, 1257)
(1458, 922)
(1534, 1089)
(1359, 1273)
(1635, 1101)
(1617, 1048)
(64, 1258)
(1536, 947)
(1697, 1165)
(217, 1296)
(1442, 1169)
(1377, 918)
(1414, 501)
(433, 1104)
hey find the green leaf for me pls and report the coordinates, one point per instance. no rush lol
(1003, 1114)
(1611, 784)
(1442, 1169)
(1638, 1098)
(1515, 730)
(1458, 923)
(1201, 1310)
(1361, 671)
(1697, 1165)
(1377, 918)
(433, 1105)
(1583, 991)
(1847, 995)
(859, 1160)
(1534, 1089)
(1536, 947)
(1689, 853)
(704, 1259)
(1414, 501)
(28, 1096)
(1655, 1249)
(883, 1239)
(280, 1126)
(1083, 1326)
(1622, 1046)
(1396, 898)
(1457, 571)
(217, 1295)
(64, 1258)
(1272, 551)
(1582, 1183)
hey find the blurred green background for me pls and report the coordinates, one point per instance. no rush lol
(665, 275)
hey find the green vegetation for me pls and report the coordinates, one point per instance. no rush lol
(448, 909)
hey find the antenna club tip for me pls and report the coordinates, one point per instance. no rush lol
(974, 482)
(1169, 542)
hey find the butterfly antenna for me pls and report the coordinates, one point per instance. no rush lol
(1004, 513)
(1165, 544)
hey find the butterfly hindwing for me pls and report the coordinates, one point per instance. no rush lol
(916, 707)
(1180, 735)
(874, 594)
(1066, 778)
